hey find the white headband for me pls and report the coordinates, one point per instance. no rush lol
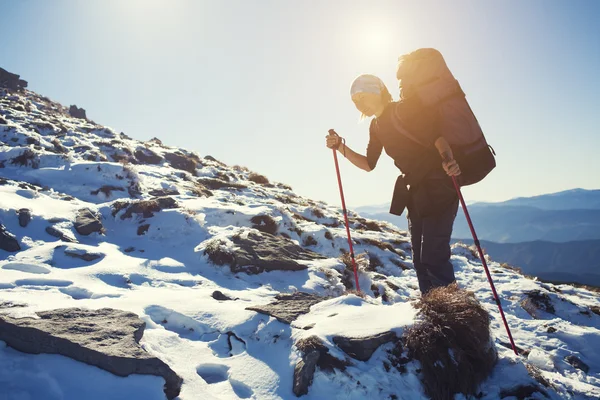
(367, 83)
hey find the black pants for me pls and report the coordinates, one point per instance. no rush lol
(432, 208)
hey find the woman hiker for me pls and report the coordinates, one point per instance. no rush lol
(432, 202)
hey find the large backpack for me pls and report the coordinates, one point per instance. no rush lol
(432, 102)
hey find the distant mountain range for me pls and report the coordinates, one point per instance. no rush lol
(553, 236)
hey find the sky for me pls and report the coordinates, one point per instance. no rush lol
(259, 83)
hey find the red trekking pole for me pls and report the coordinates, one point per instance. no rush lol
(339, 178)
(487, 271)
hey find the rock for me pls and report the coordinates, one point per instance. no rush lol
(107, 190)
(77, 112)
(52, 231)
(304, 372)
(105, 338)
(363, 348)
(164, 192)
(577, 363)
(551, 329)
(24, 217)
(147, 156)
(289, 306)
(257, 253)
(218, 295)
(216, 184)
(8, 241)
(523, 392)
(142, 229)
(314, 354)
(264, 223)
(82, 254)
(536, 302)
(181, 161)
(146, 208)
(87, 222)
(11, 81)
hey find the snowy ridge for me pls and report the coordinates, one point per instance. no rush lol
(156, 262)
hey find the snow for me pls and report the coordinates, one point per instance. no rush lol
(221, 349)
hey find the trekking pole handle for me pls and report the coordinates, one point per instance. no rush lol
(446, 157)
(332, 132)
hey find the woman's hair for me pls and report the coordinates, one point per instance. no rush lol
(386, 97)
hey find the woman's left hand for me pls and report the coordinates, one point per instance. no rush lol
(451, 167)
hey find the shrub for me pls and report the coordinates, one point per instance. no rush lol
(452, 341)
(217, 255)
(264, 223)
(310, 241)
(257, 178)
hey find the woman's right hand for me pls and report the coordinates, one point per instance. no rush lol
(333, 141)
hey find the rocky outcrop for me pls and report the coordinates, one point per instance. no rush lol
(183, 162)
(288, 307)
(146, 156)
(11, 81)
(86, 222)
(256, 253)
(106, 338)
(77, 112)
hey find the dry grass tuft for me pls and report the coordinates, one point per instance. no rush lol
(452, 342)
(258, 178)
(264, 223)
(217, 255)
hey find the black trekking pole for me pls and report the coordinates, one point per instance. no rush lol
(337, 170)
(481, 256)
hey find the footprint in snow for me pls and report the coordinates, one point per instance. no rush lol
(213, 373)
(78, 293)
(216, 373)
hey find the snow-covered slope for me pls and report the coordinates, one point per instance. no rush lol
(161, 261)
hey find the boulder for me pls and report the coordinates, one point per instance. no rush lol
(24, 215)
(52, 231)
(105, 338)
(363, 348)
(8, 241)
(218, 295)
(86, 222)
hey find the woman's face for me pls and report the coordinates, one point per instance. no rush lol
(367, 103)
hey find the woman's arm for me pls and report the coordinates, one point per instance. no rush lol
(357, 159)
